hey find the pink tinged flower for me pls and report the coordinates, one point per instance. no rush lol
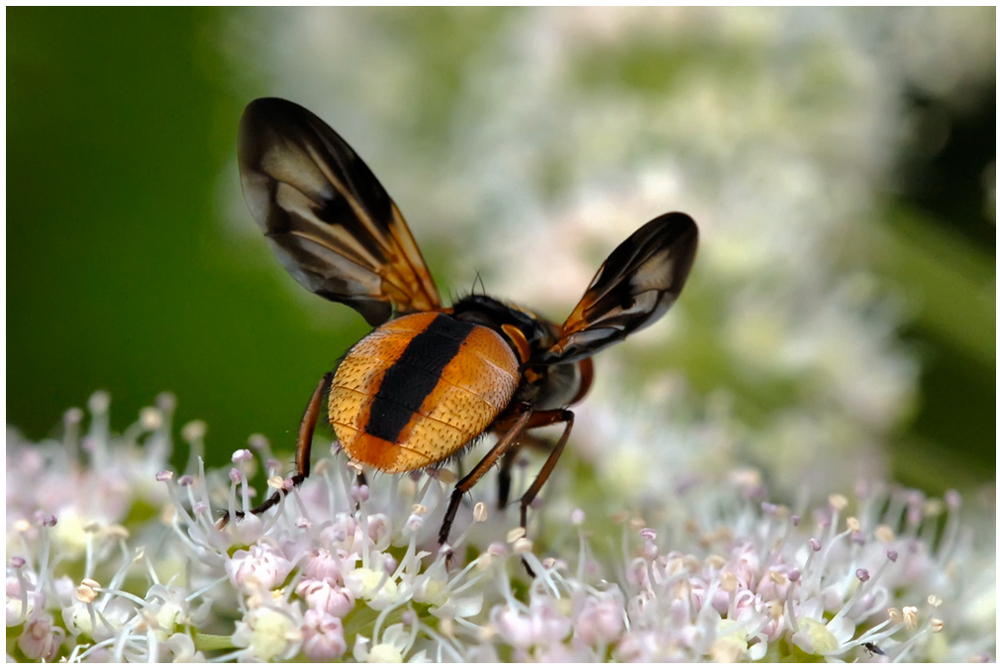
(601, 621)
(15, 604)
(514, 626)
(720, 599)
(261, 568)
(774, 584)
(242, 455)
(556, 653)
(40, 639)
(650, 550)
(360, 493)
(637, 574)
(413, 524)
(637, 647)
(326, 595)
(19, 590)
(747, 565)
(322, 636)
(541, 625)
(379, 531)
(323, 564)
(340, 535)
(551, 626)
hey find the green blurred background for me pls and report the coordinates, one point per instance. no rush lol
(121, 123)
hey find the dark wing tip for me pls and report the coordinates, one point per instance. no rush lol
(268, 109)
(679, 229)
(677, 232)
(263, 120)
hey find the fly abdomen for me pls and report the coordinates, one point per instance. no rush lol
(417, 389)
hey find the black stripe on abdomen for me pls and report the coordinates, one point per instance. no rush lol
(414, 375)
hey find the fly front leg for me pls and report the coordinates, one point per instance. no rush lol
(543, 419)
(506, 448)
(303, 450)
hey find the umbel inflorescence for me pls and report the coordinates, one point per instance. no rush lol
(112, 556)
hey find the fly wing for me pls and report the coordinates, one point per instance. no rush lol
(328, 219)
(637, 284)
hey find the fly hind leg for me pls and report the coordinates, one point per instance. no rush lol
(303, 450)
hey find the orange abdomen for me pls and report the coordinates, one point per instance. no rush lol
(418, 388)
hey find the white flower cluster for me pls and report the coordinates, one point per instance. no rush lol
(102, 566)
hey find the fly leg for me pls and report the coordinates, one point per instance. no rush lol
(523, 412)
(543, 419)
(523, 418)
(303, 450)
(510, 459)
(503, 482)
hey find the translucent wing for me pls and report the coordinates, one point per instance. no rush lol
(636, 285)
(328, 219)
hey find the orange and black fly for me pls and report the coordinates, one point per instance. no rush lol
(430, 379)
